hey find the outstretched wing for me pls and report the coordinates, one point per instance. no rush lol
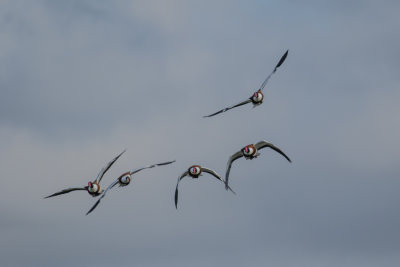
(216, 176)
(228, 108)
(234, 157)
(103, 195)
(263, 144)
(67, 191)
(276, 67)
(107, 167)
(152, 166)
(176, 190)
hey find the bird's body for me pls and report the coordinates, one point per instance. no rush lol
(93, 188)
(124, 180)
(258, 97)
(195, 171)
(250, 152)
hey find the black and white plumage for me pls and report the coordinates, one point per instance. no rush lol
(93, 188)
(258, 96)
(195, 171)
(250, 152)
(124, 180)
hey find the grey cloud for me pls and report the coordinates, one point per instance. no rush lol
(82, 80)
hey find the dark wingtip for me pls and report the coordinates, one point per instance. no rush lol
(89, 211)
(176, 198)
(282, 59)
(228, 187)
(226, 182)
(120, 154)
(286, 53)
(94, 206)
(281, 152)
(216, 113)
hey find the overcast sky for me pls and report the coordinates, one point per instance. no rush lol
(82, 80)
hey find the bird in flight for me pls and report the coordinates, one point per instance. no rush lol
(124, 180)
(250, 152)
(258, 96)
(93, 188)
(195, 171)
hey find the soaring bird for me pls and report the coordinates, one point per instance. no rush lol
(250, 152)
(258, 96)
(195, 171)
(124, 180)
(93, 188)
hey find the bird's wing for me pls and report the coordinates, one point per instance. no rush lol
(229, 164)
(216, 175)
(103, 195)
(67, 191)
(228, 108)
(176, 190)
(152, 166)
(107, 167)
(263, 144)
(276, 67)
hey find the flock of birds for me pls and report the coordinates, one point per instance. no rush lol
(248, 152)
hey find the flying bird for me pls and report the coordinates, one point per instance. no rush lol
(195, 171)
(258, 96)
(250, 152)
(124, 180)
(93, 188)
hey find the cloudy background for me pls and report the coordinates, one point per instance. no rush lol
(82, 80)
